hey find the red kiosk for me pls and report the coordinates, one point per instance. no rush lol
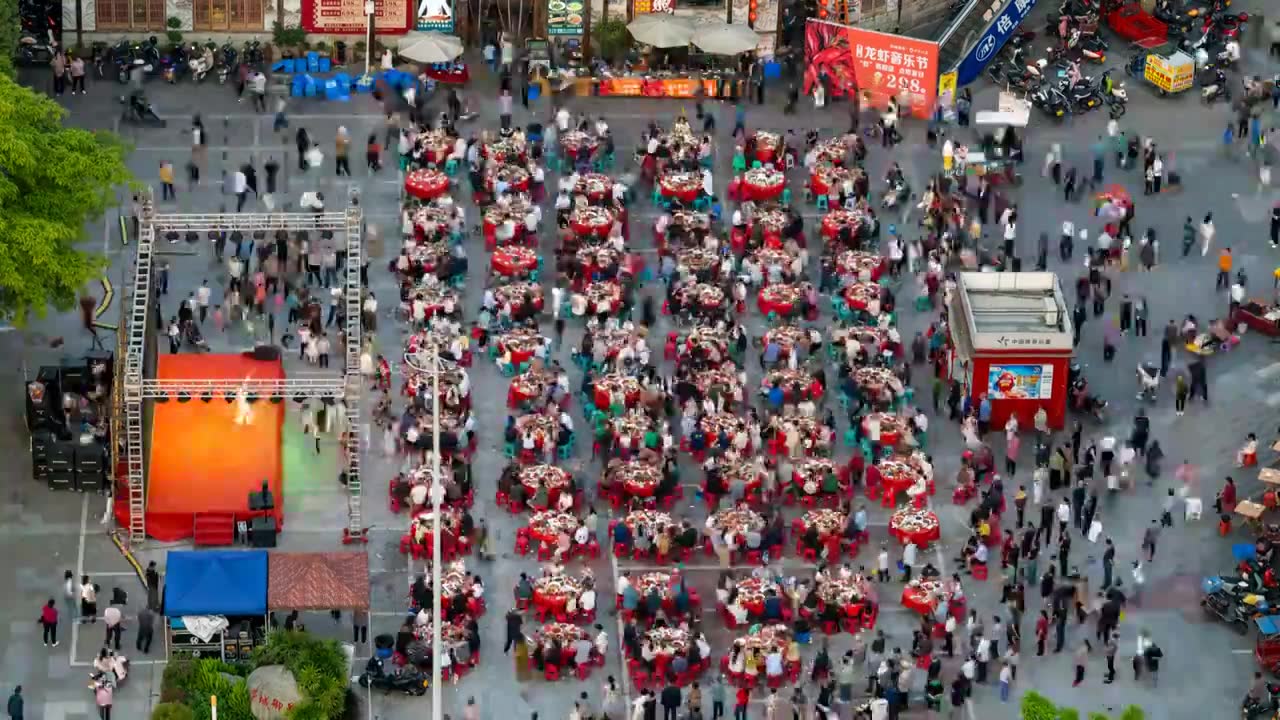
(1011, 340)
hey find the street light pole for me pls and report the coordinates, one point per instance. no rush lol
(370, 9)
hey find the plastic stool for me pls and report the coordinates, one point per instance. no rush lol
(824, 204)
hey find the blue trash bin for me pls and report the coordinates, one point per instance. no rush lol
(325, 64)
(313, 62)
(297, 88)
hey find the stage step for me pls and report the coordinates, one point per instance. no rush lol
(214, 529)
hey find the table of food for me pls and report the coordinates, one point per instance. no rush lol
(540, 426)
(862, 295)
(530, 384)
(828, 523)
(452, 634)
(718, 381)
(562, 633)
(838, 219)
(427, 255)
(553, 478)
(702, 339)
(762, 184)
(753, 590)
(632, 424)
(846, 594)
(546, 525)
(701, 296)
(809, 473)
(781, 298)
(769, 146)
(813, 434)
(690, 220)
(652, 522)
(874, 381)
(607, 387)
(860, 265)
(591, 220)
(422, 523)
(496, 214)
(668, 641)
(922, 596)
(786, 337)
(594, 259)
(832, 150)
(636, 478)
(684, 186)
(918, 526)
(774, 220)
(509, 150)
(747, 471)
(516, 293)
(431, 219)
(827, 178)
(576, 143)
(680, 134)
(659, 581)
(553, 590)
(514, 260)
(696, 260)
(794, 383)
(893, 429)
(451, 386)
(766, 638)
(426, 184)
(738, 520)
(768, 257)
(436, 145)
(521, 343)
(516, 177)
(595, 186)
(434, 298)
(722, 422)
(603, 297)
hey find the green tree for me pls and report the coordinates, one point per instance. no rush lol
(1038, 707)
(10, 31)
(614, 39)
(55, 180)
(1098, 716)
(1133, 712)
(172, 711)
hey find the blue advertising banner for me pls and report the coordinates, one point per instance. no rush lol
(996, 35)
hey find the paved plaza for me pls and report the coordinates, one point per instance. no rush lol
(1206, 668)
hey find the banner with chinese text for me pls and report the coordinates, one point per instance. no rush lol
(644, 7)
(878, 65)
(346, 17)
(564, 17)
(655, 87)
(435, 15)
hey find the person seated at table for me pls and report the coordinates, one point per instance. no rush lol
(622, 535)
(564, 546)
(772, 607)
(687, 537)
(773, 664)
(1248, 454)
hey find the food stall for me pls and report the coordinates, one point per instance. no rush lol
(214, 603)
(1169, 69)
(1011, 342)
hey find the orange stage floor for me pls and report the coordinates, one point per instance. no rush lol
(201, 461)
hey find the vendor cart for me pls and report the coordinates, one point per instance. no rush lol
(1132, 23)
(1259, 316)
(1169, 69)
(1267, 649)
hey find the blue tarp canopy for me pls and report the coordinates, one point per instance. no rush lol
(215, 583)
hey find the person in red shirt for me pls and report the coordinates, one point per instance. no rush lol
(740, 704)
(1042, 632)
(49, 622)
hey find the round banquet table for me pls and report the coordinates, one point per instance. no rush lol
(603, 399)
(518, 356)
(507, 261)
(766, 153)
(919, 600)
(686, 195)
(761, 192)
(767, 306)
(889, 437)
(520, 185)
(921, 537)
(491, 229)
(858, 295)
(582, 226)
(549, 601)
(524, 391)
(426, 184)
(853, 263)
(835, 220)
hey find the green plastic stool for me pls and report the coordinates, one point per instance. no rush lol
(564, 452)
(509, 450)
(553, 162)
(786, 196)
(909, 395)
(823, 203)
(850, 434)
(657, 195)
(922, 303)
(451, 167)
(773, 316)
(755, 165)
(739, 164)
(508, 370)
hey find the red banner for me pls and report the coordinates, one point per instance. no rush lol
(346, 17)
(878, 65)
(649, 87)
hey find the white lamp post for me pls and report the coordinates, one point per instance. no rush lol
(370, 9)
(428, 361)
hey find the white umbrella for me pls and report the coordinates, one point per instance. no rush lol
(725, 39)
(429, 47)
(661, 30)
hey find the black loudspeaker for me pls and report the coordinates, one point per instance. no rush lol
(75, 376)
(262, 532)
(89, 458)
(90, 481)
(62, 457)
(62, 480)
(265, 353)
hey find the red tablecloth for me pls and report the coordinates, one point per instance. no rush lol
(426, 184)
(686, 196)
(888, 438)
(520, 185)
(767, 306)
(586, 228)
(508, 262)
(491, 230)
(601, 397)
(517, 356)
(765, 154)
(761, 193)
(920, 537)
(454, 75)
(918, 600)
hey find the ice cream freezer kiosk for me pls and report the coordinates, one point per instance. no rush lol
(1169, 71)
(1011, 343)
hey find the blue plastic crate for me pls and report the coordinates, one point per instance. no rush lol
(298, 87)
(772, 70)
(313, 62)
(343, 80)
(325, 64)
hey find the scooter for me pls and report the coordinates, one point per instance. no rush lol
(227, 61)
(138, 111)
(1148, 382)
(1218, 89)
(174, 64)
(201, 62)
(1090, 46)
(408, 681)
(252, 52)
(1252, 708)
(897, 194)
(32, 51)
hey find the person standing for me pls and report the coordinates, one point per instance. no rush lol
(15, 705)
(1042, 632)
(166, 181)
(240, 185)
(114, 621)
(303, 142)
(146, 630)
(341, 146)
(1081, 658)
(1006, 680)
(1108, 564)
(1149, 539)
(59, 66)
(49, 622)
(77, 75)
(1113, 646)
(103, 695)
(1223, 280)
(514, 621)
(671, 701)
(1207, 231)
(89, 591)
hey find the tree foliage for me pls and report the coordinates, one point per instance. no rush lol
(1038, 707)
(172, 711)
(10, 32)
(613, 39)
(53, 180)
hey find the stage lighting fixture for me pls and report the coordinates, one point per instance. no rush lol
(206, 396)
(184, 396)
(300, 399)
(276, 399)
(162, 398)
(230, 397)
(251, 397)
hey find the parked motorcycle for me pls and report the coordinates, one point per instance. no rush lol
(409, 681)
(174, 64)
(1252, 708)
(201, 61)
(1089, 46)
(138, 111)
(1217, 89)
(227, 58)
(252, 53)
(1050, 100)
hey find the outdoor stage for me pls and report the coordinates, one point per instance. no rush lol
(200, 459)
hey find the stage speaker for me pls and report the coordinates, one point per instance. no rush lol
(75, 376)
(93, 481)
(41, 444)
(266, 353)
(62, 480)
(62, 456)
(262, 532)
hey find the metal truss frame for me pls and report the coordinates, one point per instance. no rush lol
(138, 388)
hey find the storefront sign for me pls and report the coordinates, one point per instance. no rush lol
(997, 34)
(670, 87)
(644, 7)
(564, 17)
(1020, 382)
(435, 15)
(947, 85)
(346, 17)
(878, 65)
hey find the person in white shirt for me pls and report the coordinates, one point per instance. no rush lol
(531, 222)
(602, 127)
(707, 183)
(562, 120)
(652, 147)
(240, 185)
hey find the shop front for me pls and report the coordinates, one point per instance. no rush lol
(1011, 343)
